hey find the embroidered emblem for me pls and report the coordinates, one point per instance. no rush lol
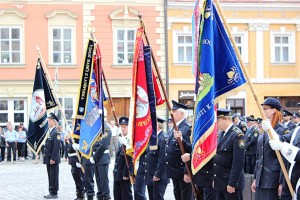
(242, 143)
(58, 137)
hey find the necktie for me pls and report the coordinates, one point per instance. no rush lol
(222, 135)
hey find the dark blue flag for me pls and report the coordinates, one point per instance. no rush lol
(42, 100)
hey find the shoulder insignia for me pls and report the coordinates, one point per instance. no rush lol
(244, 128)
(241, 143)
(286, 131)
(237, 130)
(58, 137)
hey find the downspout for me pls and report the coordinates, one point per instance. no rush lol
(166, 52)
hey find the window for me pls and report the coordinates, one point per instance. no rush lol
(183, 48)
(237, 105)
(238, 42)
(282, 48)
(67, 106)
(241, 41)
(125, 46)
(62, 46)
(10, 38)
(14, 110)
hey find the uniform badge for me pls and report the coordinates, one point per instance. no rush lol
(255, 134)
(289, 152)
(58, 137)
(244, 129)
(241, 144)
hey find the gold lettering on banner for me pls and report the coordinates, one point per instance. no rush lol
(86, 73)
(144, 122)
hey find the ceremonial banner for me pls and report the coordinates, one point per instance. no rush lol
(151, 95)
(88, 129)
(85, 80)
(140, 122)
(42, 100)
(220, 75)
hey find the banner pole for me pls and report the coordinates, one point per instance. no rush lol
(253, 93)
(195, 190)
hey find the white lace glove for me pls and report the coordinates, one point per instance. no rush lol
(276, 144)
(266, 125)
(78, 165)
(92, 160)
(75, 146)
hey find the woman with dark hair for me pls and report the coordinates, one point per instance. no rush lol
(266, 183)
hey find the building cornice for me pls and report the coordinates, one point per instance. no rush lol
(14, 11)
(64, 11)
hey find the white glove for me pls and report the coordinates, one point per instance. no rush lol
(75, 146)
(266, 124)
(92, 160)
(123, 141)
(78, 165)
(289, 151)
(276, 144)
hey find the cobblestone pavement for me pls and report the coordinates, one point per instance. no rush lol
(28, 181)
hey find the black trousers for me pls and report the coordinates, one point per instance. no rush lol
(62, 149)
(89, 179)
(2, 153)
(21, 149)
(139, 186)
(101, 173)
(156, 191)
(224, 195)
(182, 190)
(78, 179)
(11, 148)
(122, 190)
(53, 171)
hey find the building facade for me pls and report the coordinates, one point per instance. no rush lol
(267, 34)
(58, 31)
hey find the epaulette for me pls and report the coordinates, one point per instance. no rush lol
(286, 131)
(237, 131)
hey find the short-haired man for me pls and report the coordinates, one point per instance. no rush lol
(52, 157)
(11, 141)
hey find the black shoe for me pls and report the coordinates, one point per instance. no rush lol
(51, 196)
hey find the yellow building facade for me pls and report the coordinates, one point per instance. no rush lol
(267, 35)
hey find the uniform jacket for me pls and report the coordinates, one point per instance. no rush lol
(267, 168)
(229, 160)
(72, 159)
(52, 146)
(120, 169)
(251, 140)
(156, 163)
(101, 147)
(291, 125)
(204, 177)
(175, 166)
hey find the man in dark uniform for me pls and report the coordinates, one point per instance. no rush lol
(101, 159)
(251, 137)
(296, 119)
(287, 116)
(89, 172)
(76, 170)
(156, 176)
(140, 187)
(175, 166)
(229, 160)
(51, 156)
(239, 123)
(122, 185)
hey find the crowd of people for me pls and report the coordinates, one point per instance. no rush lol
(243, 147)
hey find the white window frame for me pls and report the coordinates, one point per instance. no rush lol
(115, 56)
(63, 105)
(244, 45)
(11, 111)
(72, 60)
(10, 45)
(291, 46)
(176, 45)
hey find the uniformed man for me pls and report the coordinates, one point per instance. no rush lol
(175, 166)
(140, 186)
(76, 170)
(229, 160)
(239, 123)
(296, 119)
(122, 186)
(89, 173)
(251, 137)
(156, 175)
(52, 157)
(287, 116)
(101, 159)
